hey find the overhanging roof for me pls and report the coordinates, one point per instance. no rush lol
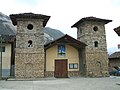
(8, 38)
(117, 30)
(66, 39)
(29, 15)
(105, 21)
(115, 55)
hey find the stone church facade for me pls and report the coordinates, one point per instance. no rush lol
(30, 55)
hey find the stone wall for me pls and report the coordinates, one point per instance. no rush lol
(70, 73)
(96, 61)
(49, 73)
(114, 62)
(29, 65)
(96, 64)
(73, 73)
(29, 61)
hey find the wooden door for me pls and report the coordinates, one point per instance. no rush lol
(61, 69)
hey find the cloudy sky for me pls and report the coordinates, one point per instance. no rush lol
(64, 13)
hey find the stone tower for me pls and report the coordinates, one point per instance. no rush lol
(29, 52)
(91, 31)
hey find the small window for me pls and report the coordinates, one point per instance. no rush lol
(95, 28)
(96, 44)
(30, 26)
(73, 66)
(3, 49)
(61, 50)
(30, 43)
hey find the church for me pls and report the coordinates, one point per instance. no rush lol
(61, 58)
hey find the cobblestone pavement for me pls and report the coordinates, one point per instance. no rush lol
(79, 83)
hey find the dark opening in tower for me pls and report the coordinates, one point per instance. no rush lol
(30, 43)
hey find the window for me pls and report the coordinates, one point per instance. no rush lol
(73, 66)
(3, 49)
(95, 28)
(30, 26)
(96, 44)
(61, 50)
(30, 43)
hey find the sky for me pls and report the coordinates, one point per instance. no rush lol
(64, 13)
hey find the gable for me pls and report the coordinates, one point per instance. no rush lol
(66, 39)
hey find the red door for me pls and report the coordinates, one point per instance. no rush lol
(61, 69)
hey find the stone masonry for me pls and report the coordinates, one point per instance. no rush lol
(91, 31)
(29, 56)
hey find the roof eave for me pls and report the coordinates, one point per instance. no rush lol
(14, 17)
(114, 58)
(57, 40)
(117, 30)
(105, 21)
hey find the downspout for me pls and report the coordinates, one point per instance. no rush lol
(44, 62)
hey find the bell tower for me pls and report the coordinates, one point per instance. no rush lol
(91, 31)
(29, 52)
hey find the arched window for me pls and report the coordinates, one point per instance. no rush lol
(96, 43)
(30, 43)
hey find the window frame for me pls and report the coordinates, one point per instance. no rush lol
(61, 50)
(73, 65)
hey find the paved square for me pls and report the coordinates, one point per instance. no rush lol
(109, 83)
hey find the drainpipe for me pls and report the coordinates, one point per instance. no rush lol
(44, 62)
